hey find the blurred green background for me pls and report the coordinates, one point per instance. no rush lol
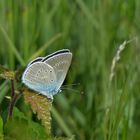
(93, 30)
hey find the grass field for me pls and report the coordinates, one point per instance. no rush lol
(104, 39)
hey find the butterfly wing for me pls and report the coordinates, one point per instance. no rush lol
(38, 59)
(60, 62)
(40, 77)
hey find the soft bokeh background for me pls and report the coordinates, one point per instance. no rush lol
(93, 30)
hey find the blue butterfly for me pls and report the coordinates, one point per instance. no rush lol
(46, 74)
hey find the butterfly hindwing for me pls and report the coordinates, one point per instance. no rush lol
(40, 77)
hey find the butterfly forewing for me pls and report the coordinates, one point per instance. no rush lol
(60, 63)
(40, 77)
(56, 53)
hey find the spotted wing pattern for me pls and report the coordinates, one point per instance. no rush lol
(40, 77)
(60, 63)
(46, 74)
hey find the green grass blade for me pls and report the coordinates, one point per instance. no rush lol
(60, 121)
(88, 13)
(11, 46)
(45, 46)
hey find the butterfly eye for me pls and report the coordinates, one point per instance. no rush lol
(50, 71)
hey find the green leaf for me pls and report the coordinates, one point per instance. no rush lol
(4, 89)
(21, 128)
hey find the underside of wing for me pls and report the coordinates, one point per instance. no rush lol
(56, 53)
(60, 63)
(40, 77)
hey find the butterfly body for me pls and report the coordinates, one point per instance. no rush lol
(46, 75)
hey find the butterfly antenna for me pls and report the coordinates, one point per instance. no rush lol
(70, 89)
(71, 85)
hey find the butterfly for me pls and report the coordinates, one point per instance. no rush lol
(45, 75)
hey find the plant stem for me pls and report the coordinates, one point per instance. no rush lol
(11, 106)
(13, 100)
(12, 88)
